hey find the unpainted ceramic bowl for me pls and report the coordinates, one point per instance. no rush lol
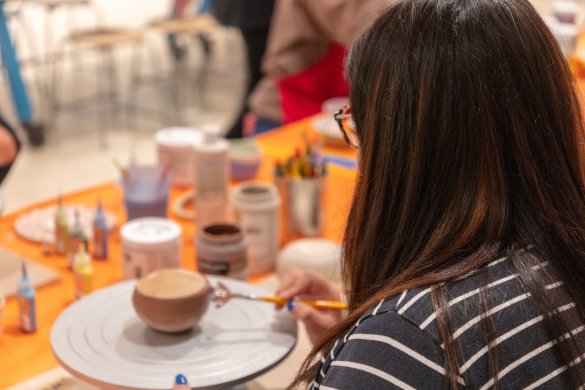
(171, 300)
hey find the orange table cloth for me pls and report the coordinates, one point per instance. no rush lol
(23, 356)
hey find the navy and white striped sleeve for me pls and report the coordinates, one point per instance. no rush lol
(384, 351)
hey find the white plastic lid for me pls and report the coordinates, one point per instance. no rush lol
(212, 142)
(255, 195)
(151, 233)
(566, 11)
(178, 137)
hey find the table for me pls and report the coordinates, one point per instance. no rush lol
(23, 356)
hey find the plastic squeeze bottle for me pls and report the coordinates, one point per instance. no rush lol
(77, 238)
(61, 228)
(83, 271)
(100, 233)
(25, 293)
(211, 176)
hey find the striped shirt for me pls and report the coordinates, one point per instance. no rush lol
(397, 343)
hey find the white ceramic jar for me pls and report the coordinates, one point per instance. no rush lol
(149, 244)
(256, 207)
(175, 148)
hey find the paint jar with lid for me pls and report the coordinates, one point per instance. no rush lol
(149, 244)
(256, 207)
(175, 149)
(221, 250)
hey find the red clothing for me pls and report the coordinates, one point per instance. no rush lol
(303, 93)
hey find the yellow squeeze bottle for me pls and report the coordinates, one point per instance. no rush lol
(83, 271)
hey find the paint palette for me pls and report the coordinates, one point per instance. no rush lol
(39, 224)
(100, 340)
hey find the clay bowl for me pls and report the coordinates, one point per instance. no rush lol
(171, 300)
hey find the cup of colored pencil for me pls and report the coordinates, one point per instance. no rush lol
(301, 181)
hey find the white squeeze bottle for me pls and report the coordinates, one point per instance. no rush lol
(211, 177)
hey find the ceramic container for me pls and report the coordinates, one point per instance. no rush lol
(175, 148)
(256, 208)
(149, 244)
(221, 250)
(171, 300)
(245, 158)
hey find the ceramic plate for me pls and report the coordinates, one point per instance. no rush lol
(326, 125)
(39, 224)
(101, 340)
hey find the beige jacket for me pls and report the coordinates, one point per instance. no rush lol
(300, 34)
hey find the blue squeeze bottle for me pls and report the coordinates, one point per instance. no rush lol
(26, 303)
(100, 233)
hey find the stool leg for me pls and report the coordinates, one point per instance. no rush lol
(131, 94)
(171, 118)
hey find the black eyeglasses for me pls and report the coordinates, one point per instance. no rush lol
(344, 118)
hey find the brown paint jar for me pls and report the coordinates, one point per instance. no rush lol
(221, 250)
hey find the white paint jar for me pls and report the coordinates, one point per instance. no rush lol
(149, 244)
(175, 148)
(256, 208)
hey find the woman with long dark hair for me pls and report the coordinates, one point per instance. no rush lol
(464, 251)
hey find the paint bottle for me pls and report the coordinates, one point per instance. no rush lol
(256, 208)
(100, 233)
(26, 303)
(83, 272)
(61, 228)
(77, 238)
(211, 177)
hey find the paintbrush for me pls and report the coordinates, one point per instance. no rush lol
(222, 294)
(122, 169)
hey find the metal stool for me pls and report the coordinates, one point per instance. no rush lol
(102, 41)
(182, 74)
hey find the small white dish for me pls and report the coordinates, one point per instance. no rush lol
(315, 254)
(326, 125)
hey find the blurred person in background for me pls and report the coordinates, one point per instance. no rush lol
(252, 18)
(9, 147)
(303, 64)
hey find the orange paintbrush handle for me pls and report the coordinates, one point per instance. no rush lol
(329, 305)
(277, 300)
(318, 304)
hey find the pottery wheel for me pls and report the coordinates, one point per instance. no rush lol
(101, 340)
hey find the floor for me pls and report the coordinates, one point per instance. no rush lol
(76, 156)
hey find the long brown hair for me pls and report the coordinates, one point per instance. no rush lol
(471, 147)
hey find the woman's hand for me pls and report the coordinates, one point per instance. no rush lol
(299, 285)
